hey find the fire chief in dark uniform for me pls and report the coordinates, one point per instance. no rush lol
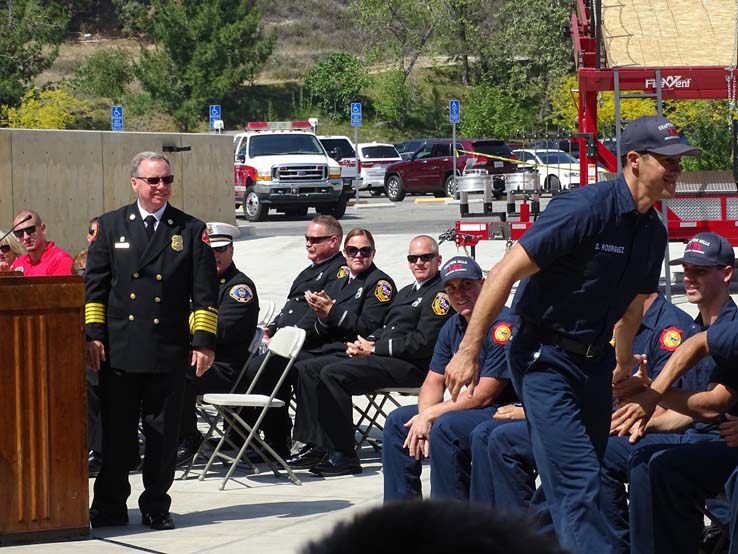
(148, 262)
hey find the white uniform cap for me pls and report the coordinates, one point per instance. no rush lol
(221, 234)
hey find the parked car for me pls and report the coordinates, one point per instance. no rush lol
(571, 147)
(430, 167)
(341, 149)
(374, 157)
(558, 170)
(406, 149)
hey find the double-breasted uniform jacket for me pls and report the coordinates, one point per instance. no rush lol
(360, 305)
(313, 278)
(138, 292)
(238, 315)
(412, 323)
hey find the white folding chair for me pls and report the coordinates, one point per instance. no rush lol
(286, 343)
(375, 409)
(266, 311)
(215, 419)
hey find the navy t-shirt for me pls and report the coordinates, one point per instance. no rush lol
(596, 252)
(492, 361)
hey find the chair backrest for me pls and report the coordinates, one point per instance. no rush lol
(286, 343)
(266, 311)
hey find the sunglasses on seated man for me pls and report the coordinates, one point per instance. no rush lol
(413, 258)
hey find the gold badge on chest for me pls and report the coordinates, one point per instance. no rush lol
(177, 243)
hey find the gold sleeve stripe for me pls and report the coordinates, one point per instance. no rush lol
(204, 320)
(94, 313)
(192, 323)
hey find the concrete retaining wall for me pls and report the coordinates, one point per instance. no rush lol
(70, 176)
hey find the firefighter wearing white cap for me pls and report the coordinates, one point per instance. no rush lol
(238, 314)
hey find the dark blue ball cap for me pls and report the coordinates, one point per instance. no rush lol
(654, 133)
(460, 267)
(707, 249)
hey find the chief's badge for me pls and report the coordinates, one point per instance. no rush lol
(319, 276)
(501, 333)
(241, 293)
(383, 292)
(441, 305)
(671, 338)
(342, 272)
(358, 293)
(417, 302)
(177, 243)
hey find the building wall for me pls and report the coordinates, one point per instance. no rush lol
(69, 177)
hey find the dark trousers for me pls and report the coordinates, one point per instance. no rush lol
(156, 399)
(512, 466)
(217, 379)
(567, 400)
(731, 489)
(481, 487)
(450, 454)
(327, 383)
(94, 416)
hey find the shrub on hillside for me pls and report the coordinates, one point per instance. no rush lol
(336, 81)
(105, 74)
(44, 109)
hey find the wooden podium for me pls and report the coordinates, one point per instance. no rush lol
(43, 444)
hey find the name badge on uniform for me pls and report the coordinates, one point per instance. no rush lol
(177, 243)
(417, 302)
(358, 293)
(122, 243)
(320, 275)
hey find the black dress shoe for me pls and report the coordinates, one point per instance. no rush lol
(307, 457)
(337, 463)
(187, 448)
(159, 522)
(94, 463)
(103, 519)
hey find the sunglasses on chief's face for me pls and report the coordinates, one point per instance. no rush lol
(413, 258)
(153, 181)
(28, 231)
(364, 251)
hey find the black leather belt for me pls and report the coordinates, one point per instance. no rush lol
(548, 336)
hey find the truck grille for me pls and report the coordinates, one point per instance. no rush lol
(296, 173)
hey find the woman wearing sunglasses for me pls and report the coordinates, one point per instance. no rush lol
(10, 249)
(355, 302)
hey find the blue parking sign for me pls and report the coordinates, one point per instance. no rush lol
(356, 114)
(454, 111)
(214, 114)
(116, 118)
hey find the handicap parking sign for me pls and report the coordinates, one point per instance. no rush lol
(356, 114)
(454, 111)
(214, 114)
(116, 118)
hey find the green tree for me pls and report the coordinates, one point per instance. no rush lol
(204, 52)
(29, 43)
(44, 109)
(706, 124)
(106, 73)
(490, 111)
(335, 81)
(391, 95)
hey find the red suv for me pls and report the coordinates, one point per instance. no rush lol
(430, 167)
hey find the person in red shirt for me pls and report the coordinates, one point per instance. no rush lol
(43, 257)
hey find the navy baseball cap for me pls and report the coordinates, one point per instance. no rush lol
(707, 249)
(460, 267)
(654, 133)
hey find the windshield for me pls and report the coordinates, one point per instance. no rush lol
(345, 150)
(551, 157)
(284, 143)
(379, 152)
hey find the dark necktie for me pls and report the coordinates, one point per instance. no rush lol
(150, 225)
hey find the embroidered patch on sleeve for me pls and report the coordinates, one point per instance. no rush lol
(383, 292)
(501, 332)
(671, 338)
(241, 293)
(441, 305)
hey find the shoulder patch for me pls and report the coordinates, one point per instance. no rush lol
(204, 237)
(383, 292)
(343, 272)
(241, 293)
(441, 305)
(501, 332)
(671, 338)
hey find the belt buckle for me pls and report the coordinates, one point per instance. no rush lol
(591, 351)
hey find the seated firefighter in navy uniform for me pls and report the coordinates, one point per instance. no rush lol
(353, 302)
(238, 314)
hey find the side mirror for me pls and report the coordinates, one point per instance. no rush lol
(240, 158)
